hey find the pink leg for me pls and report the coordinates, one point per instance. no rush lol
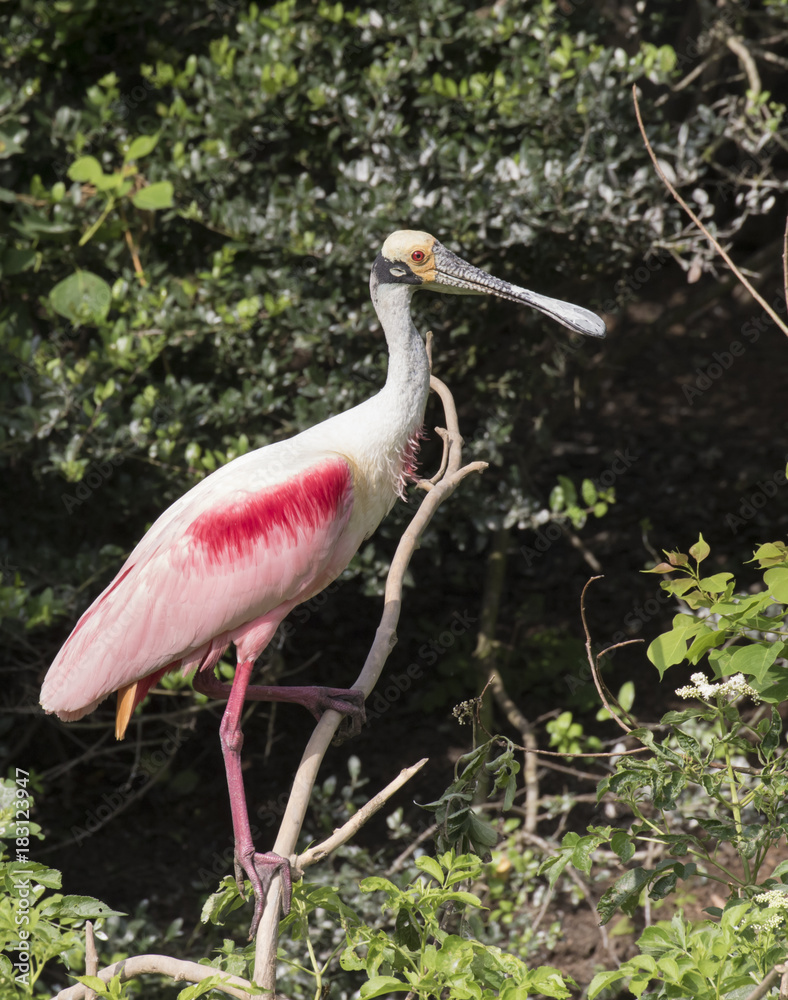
(318, 700)
(260, 868)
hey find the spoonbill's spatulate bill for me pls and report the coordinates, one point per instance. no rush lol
(228, 561)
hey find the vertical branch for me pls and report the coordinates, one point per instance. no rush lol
(91, 957)
(385, 639)
(486, 654)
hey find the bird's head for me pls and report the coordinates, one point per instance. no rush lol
(418, 259)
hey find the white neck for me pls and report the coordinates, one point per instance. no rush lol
(408, 381)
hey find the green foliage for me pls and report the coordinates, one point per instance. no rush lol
(564, 500)
(713, 781)
(459, 824)
(566, 733)
(717, 959)
(735, 633)
(37, 925)
(421, 957)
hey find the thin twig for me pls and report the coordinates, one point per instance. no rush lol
(755, 294)
(400, 860)
(354, 824)
(592, 661)
(524, 727)
(558, 753)
(785, 261)
(743, 54)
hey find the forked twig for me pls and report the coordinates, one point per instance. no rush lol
(593, 661)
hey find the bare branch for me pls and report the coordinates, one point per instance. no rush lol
(592, 660)
(755, 294)
(353, 825)
(743, 54)
(164, 965)
(91, 957)
(764, 987)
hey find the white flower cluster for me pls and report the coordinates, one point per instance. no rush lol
(733, 687)
(769, 923)
(773, 897)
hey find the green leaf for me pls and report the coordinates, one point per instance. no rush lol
(570, 493)
(624, 894)
(377, 986)
(604, 979)
(623, 845)
(589, 492)
(201, 988)
(770, 553)
(432, 868)
(752, 660)
(51, 878)
(662, 567)
(154, 196)
(140, 147)
(700, 549)
(93, 983)
(668, 649)
(15, 261)
(703, 642)
(776, 580)
(716, 584)
(83, 297)
(626, 695)
(86, 170)
(78, 908)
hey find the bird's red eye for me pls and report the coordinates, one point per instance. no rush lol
(418, 256)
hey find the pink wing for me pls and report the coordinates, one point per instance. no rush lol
(223, 556)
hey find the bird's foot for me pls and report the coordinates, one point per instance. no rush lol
(260, 869)
(347, 701)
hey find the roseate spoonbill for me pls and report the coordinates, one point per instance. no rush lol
(228, 561)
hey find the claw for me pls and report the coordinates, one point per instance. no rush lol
(347, 702)
(260, 869)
